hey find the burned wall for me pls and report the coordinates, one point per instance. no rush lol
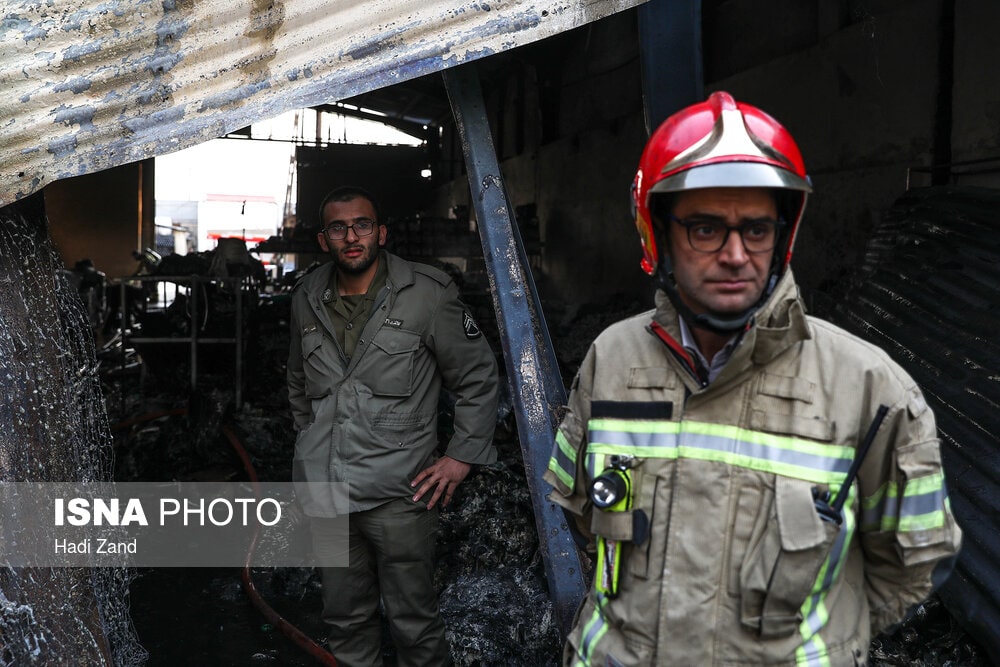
(390, 173)
(975, 132)
(877, 94)
(103, 216)
(568, 129)
(869, 89)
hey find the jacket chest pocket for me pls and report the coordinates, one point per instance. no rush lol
(784, 406)
(393, 362)
(787, 548)
(317, 370)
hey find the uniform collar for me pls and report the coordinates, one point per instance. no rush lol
(400, 274)
(780, 323)
(330, 295)
(712, 367)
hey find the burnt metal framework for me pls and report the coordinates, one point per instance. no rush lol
(193, 340)
(672, 78)
(538, 391)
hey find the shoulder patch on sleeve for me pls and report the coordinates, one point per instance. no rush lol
(472, 329)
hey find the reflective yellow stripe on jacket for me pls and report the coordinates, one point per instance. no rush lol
(764, 452)
(754, 450)
(563, 461)
(594, 629)
(813, 651)
(920, 506)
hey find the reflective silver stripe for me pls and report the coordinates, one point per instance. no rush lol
(885, 509)
(925, 503)
(641, 439)
(593, 631)
(563, 461)
(763, 452)
(792, 457)
(813, 652)
(919, 511)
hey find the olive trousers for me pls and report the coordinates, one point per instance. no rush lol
(391, 557)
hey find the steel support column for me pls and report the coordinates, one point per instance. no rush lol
(537, 387)
(669, 57)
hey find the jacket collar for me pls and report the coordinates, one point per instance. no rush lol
(781, 323)
(316, 284)
(778, 325)
(400, 274)
(400, 271)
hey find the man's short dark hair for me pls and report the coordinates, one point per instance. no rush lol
(349, 193)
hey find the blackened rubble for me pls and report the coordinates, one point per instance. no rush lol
(490, 574)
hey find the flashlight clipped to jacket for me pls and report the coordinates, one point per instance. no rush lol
(611, 491)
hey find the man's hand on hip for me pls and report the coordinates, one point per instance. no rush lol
(444, 475)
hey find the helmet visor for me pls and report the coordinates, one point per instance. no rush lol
(732, 175)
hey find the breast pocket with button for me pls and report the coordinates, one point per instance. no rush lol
(396, 352)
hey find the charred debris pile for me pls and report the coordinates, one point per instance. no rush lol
(490, 575)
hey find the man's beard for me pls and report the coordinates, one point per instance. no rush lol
(358, 265)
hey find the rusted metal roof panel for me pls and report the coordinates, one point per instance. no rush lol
(90, 84)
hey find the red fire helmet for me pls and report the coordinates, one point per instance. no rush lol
(719, 143)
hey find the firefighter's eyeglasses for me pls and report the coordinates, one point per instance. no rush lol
(362, 227)
(709, 235)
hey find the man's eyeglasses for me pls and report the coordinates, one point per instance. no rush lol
(708, 235)
(362, 227)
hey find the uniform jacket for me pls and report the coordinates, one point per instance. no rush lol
(371, 421)
(737, 567)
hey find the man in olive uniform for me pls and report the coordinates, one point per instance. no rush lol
(374, 338)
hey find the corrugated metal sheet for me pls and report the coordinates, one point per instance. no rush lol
(929, 294)
(91, 84)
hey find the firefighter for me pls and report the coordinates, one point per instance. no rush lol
(758, 485)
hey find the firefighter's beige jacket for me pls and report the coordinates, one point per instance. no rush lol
(737, 566)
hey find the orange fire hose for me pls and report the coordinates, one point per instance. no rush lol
(302, 640)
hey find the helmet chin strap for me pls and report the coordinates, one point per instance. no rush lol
(720, 324)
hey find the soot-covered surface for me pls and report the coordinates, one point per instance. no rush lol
(927, 294)
(54, 429)
(493, 597)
